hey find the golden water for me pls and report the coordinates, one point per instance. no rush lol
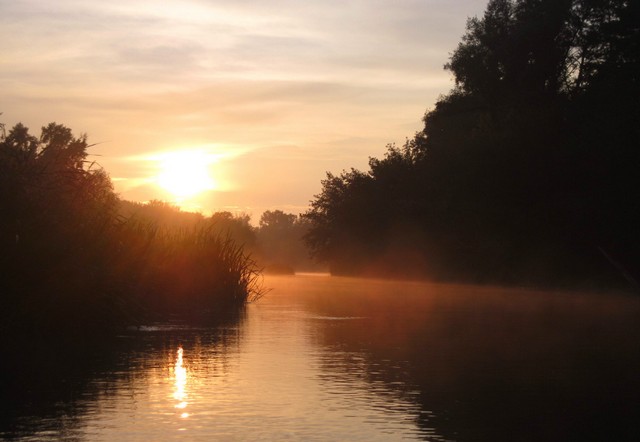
(323, 358)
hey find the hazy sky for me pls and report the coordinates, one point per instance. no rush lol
(271, 94)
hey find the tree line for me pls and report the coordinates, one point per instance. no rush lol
(77, 261)
(276, 243)
(525, 172)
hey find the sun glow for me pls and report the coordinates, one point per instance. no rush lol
(186, 173)
(180, 393)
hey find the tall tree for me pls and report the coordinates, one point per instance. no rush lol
(525, 170)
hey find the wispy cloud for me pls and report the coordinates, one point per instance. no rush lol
(287, 88)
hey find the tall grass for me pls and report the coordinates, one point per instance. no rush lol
(190, 272)
(72, 265)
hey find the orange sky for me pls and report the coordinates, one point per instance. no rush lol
(266, 95)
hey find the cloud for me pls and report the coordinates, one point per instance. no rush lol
(291, 88)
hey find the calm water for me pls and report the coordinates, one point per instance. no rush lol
(322, 358)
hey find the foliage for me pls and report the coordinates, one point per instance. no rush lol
(524, 172)
(237, 227)
(280, 246)
(70, 260)
(190, 273)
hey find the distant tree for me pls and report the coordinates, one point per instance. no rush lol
(237, 227)
(280, 242)
(277, 219)
(161, 213)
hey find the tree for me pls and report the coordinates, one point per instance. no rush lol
(541, 130)
(280, 242)
(70, 262)
(525, 170)
(277, 220)
(47, 180)
(238, 227)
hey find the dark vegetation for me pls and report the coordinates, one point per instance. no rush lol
(77, 262)
(524, 173)
(78, 265)
(276, 244)
(280, 245)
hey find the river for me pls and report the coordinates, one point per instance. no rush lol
(345, 359)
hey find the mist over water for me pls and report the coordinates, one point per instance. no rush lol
(328, 358)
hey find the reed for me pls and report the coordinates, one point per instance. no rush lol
(185, 271)
(72, 265)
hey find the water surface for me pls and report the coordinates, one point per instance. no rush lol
(324, 358)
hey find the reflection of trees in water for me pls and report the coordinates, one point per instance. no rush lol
(493, 364)
(389, 381)
(48, 392)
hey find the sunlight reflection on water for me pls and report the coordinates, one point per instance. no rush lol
(269, 379)
(326, 359)
(180, 373)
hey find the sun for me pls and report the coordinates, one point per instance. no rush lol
(185, 173)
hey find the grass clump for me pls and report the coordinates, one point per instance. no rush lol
(72, 265)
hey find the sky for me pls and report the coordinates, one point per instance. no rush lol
(264, 97)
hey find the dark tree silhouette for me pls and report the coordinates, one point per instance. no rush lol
(524, 172)
(71, 265)
(280, 245)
